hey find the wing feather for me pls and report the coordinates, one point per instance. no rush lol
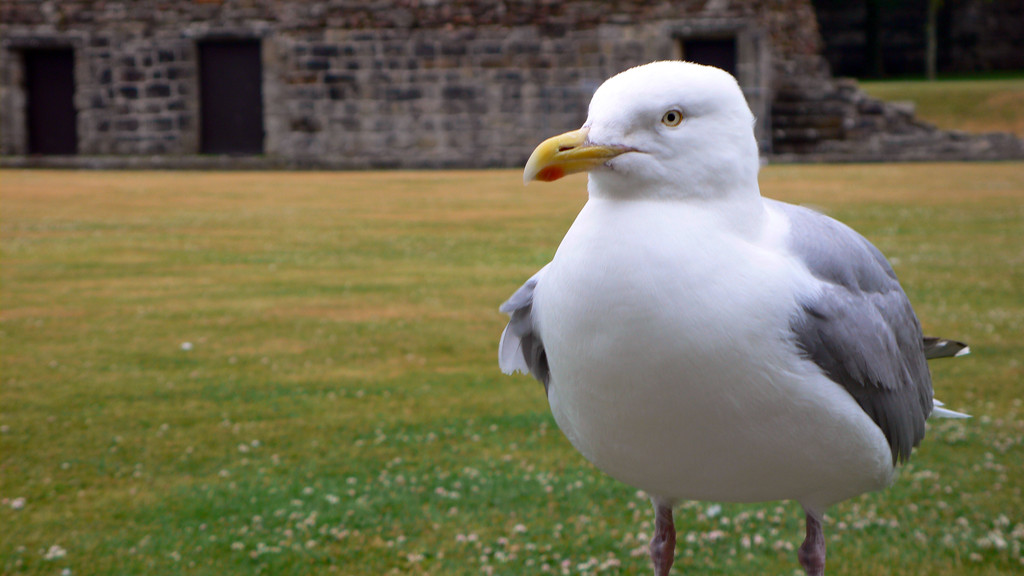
(520, 348)
(861, 329)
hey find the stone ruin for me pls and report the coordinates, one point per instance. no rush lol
(833, 120)
(408, 84)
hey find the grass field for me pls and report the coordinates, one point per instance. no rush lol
(295, 373)
(973, 105)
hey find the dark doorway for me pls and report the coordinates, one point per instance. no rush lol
(230, 97)
(50, 95)
(719, 52)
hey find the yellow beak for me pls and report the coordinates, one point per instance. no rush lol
(567, 154)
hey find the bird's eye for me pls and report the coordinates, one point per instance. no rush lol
(672, 118)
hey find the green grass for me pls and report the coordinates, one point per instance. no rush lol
(341, 411)
(992, 104)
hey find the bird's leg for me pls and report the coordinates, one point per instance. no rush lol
(812, 551)
(663, 545)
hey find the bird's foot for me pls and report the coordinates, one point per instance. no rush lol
(812, 551)
(663, 545)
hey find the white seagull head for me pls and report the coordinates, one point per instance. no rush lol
(665, 129)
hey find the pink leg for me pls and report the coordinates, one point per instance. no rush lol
(812, 551)
(663, 545)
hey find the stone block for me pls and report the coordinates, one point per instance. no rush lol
(161, 124)
(453, 48)
(871, 106)
(305, 124)
(342, 92)
(459, 92)
(400, 94)
(326, 50)
(158, 91)
(126, 124)
(316, 64)
(177, 72)
(394, 48)
(339, 78)
(424, 50)
(132, 75)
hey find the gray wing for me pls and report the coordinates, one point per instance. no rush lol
(861, 330)
(520, 348)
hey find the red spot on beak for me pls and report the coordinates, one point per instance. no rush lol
(550, 174)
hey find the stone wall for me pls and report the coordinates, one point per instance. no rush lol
(399, 83)
(471, 96)
(386, 84)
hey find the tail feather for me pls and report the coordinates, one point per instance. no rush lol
(943, 348)
(939, 412)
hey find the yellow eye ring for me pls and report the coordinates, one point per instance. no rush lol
(672, 118)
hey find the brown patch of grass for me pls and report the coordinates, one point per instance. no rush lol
(39, 312)
(930, 184)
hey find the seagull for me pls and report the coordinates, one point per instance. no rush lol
(700, 342)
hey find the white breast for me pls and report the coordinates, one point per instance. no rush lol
(672, 368)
